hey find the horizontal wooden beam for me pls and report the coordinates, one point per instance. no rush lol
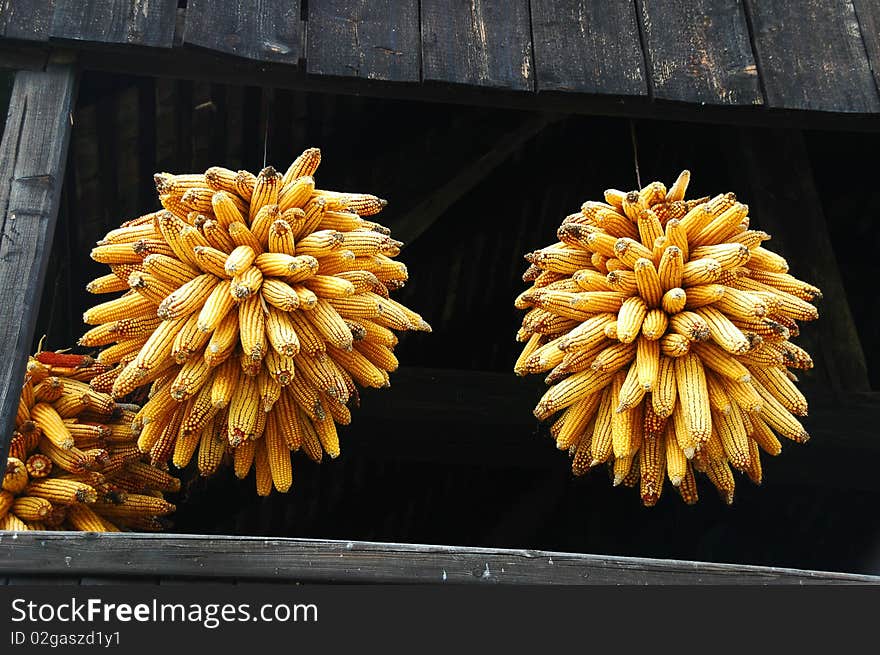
(324, 561)
(199, 64)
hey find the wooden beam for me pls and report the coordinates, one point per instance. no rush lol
(811, 56)
(773, 176)
(263, 31)
(324, 561)
(26, 20)
(413, 224)
(590, 46)
(478, 42)
(135, 22)
(373, 40)
(203, 64)
(713, 65)
(32, 160)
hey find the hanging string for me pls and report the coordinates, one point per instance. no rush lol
(267, 97)
(632, 134)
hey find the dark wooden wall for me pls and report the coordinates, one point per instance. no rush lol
(809, 55)
(451, 454)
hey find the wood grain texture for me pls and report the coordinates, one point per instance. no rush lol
(713, 64)
(264, 30)
(136, 22)
(305, 560)
(26, 19)
(414, 223)
(868, 13)
(370, 39)
(811, 56)
(588, 46)
(32, 158)
(776, 181)
(478, 42)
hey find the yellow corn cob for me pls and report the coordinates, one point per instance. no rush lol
(64, 492)
(693, 395)
(648, 282)
(676, 462)
(665, 390)
(223, 340)
(766, 260)
(700, 271)
(246, 284)
(575, 421)
(266, 188)
(327, 435)
(15, 478)
(10, 522)
(723, 331)
(601, 444)
(649, 227)
(676, 236)
(31, 508)
(252, 328)
(674, 345)
(783, 389)
(360, 367)
(654, 325)
(83, 518)
(296, 192)
(679, 187)
(280, 294)
(629, 319)
(280, 238)
(38, 466)
(242, 236)
(304, 165)
(631, 392)
(107, 284)
(718, 397)
(673, 301)
(647, 363)
(188, 298)
(244, 406)
(652, 466)
(778, 417)
(567, 392)
(330, 325)
(53, 427)
(130, 305)
(212, 445)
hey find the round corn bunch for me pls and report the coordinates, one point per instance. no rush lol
(73, 460)
(665, 325)
(254, 304)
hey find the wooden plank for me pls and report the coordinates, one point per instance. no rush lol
(32, 159)
(811, 56)
(589, 46)
(369, 39)
(413, 224)
(39, 579)
(713, 65)
(264, 30)
(307, 560)
(135, 22)
(478, 42)
(26, 20)
(868, 13)
(777, 184)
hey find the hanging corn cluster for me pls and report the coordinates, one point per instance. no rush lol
(253, 305)
(73, 461)
(665, 325)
